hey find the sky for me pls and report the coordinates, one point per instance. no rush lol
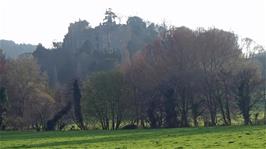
(45, 21)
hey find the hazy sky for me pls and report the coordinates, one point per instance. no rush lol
(45, 21)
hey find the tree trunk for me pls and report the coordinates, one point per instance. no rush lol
(118, 122)
(184, 119)
(195, 121)
(195, 112)
(212, 111)
(184, 110)
(151, 116)
(113, 122)
(142, 123)
(171, 116)
(222, 110)
(213, 115)
(50, 125)
(227, 109)
(246, 117)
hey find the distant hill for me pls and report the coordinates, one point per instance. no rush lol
(13, 50)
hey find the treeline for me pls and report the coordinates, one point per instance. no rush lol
(182, 78)
(87, 49)
(178, 78)
(186, 75)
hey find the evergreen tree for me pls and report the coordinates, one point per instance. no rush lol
(3, 106)
(77, 107)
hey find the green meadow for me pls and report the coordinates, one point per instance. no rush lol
(180, 138)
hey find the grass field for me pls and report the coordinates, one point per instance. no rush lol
(221, 137)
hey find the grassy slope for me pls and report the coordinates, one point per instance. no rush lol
(221, 137)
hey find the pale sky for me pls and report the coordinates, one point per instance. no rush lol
(45, 21)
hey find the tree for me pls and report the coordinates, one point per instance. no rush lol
(163, 69)
(29, 97)
(77, 107)
(247, 81)
(167, 68)
(3, 107)
(109, 17)
(2, 63)
(261, 60)
(254, 64)
(170, 109)
(218, 51)
(3, 93)
(104, 98)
